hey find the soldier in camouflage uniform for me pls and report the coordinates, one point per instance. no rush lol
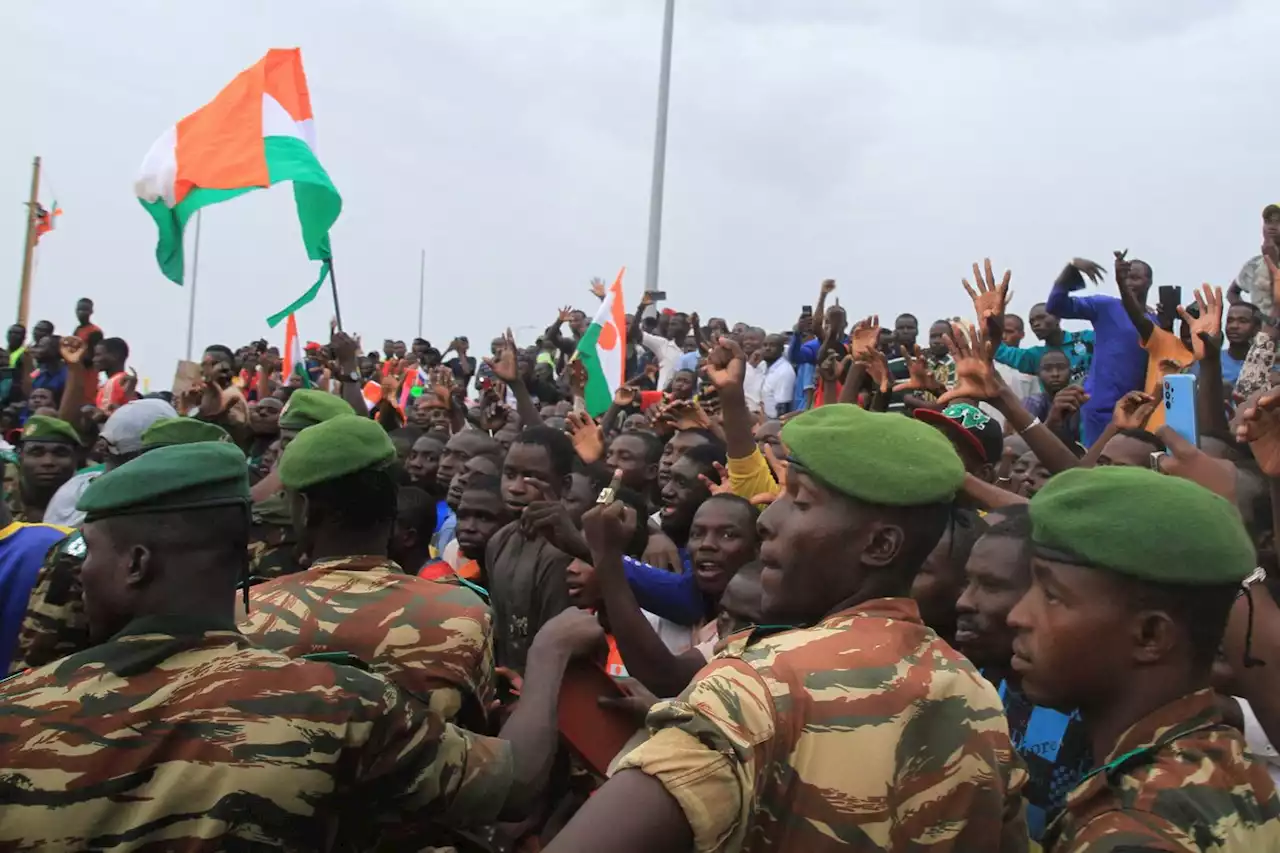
(50, 454)
(176, 733)
(55, 625)
(432, 639)
(273, 544)
(862, 731)
(1145, 567)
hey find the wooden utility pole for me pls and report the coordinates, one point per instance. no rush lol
(29, 247)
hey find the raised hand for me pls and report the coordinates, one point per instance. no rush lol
(605, 528)
(726, 366)
(563, 316)
(72, 349)
(918, 376)
(505, 366)
(976, 377)
(989, 299)
(1091, 270)
(577, 377)
(878, 370)
(865, 337)
(724, 487)
(597, 288)
(130, 384)
(626, 396)
(828, 286)
(1066, 402)
(1122, 265)
(1206, 330)
(588, 439)
(1258, 423)
(687, 414)
(1134, 410)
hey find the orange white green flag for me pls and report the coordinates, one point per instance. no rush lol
(603, 350)
(257, 132)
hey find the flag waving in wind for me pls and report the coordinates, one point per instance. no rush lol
(603, 350)
(257, 132)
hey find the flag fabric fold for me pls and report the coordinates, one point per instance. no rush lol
(293, 362)
(603, 350)
(257, 132)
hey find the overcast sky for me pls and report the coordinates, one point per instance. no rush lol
(884, 144)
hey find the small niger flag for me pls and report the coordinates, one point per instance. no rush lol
(603, 350)
(293, 362)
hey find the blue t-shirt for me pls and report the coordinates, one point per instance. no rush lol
(22, 551)
(672, 596)
(1119, 361)
(1054, 747)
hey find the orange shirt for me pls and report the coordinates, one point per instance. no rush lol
(111, 394)
(1162, 348)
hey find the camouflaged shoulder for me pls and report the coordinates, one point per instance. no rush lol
(339, 658)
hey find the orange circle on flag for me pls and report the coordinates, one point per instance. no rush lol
(608, 336)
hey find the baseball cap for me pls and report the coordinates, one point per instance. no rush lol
(1271, 210)
(967, 423)
(123, 430)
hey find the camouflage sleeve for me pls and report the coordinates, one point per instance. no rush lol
(704, 751)
(427, 766)
(55, 624)
(1128, 832)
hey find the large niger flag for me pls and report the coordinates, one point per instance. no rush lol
(257, 132)
(603, 350)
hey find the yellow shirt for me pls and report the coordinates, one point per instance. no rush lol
(751, 476)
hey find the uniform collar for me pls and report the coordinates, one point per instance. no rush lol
(1144, 738)
(898, 609)
(356, 563)
(176, 626)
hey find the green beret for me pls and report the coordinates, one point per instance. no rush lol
(334, 449)
(306, 408)
(1142, 524)
(168, 431)
(181, 476)
(879, 458)
(44, 428)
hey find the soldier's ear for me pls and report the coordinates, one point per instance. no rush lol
(884, 545)
(139, 566)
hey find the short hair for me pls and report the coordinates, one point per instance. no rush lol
(1201, 610)
(1021, 323)
(706, 455)
(221, 350)
(363, 499)
(491, 483)
(1255, 313)
(912, 316)
(415, 508)
(1151, 273)
(1144, 436)
(220, 529)
(116, 347)
(558, 446)
(597, 474)
(84, 299)
(943, 322)
(652, 444)
(409, 433)
(1014, 522)
(740, 503)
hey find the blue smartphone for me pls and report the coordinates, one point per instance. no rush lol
(1180, 406)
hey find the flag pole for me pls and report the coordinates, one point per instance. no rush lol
(333, 281)
(191, 307)
(29, 245)
(659, 153)
(422, 284)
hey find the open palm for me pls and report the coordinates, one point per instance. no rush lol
(989, 298)
(976, 377)
(866, 334)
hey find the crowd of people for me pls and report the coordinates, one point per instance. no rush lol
(830, 587)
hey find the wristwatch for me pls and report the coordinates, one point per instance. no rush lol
(353, 377)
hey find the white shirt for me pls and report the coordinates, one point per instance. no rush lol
(753, 385)
(779, 387)
(1023, 385)
(666, 352)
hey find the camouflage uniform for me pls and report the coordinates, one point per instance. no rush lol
(272, 541)
(430, 638)
(1178, 780)
(55, 625)
(864, 733)
(180, 736)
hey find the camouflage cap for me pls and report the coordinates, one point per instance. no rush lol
(1142, 524)
(878, 458)
(333, 449)
(181, 476)
(54, 430)
(306, 408)
(167, 431)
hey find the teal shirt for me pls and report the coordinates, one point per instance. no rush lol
(1077, 346)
